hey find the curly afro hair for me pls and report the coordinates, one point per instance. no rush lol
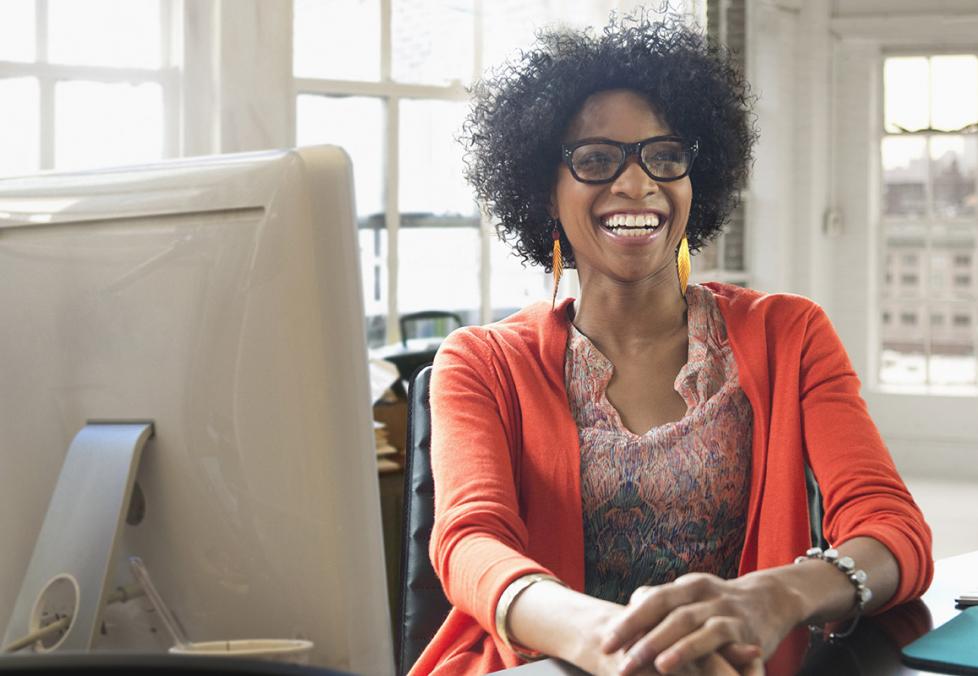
(521, 111)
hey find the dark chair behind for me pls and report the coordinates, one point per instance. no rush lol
(423, 604)
(427, 316)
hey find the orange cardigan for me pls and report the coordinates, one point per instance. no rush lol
(505, 459)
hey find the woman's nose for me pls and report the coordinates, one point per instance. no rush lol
(633, 182)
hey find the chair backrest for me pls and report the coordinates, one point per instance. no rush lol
(423, 603)
(454, 321)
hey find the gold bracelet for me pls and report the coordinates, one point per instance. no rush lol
(515, 588)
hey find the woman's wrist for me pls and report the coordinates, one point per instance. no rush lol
(817, 592)
(559, 622)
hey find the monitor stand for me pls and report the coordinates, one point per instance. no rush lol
(67, 573)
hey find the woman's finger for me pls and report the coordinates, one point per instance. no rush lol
(679, 623)
(715, 633)
(648, 608)
(741, 655)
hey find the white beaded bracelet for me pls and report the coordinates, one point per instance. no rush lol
(856, 576)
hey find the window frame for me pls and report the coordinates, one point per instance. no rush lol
(925, 304)
(48, 75)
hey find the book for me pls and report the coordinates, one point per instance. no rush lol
(950, 648)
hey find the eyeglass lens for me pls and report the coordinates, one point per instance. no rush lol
(600, 161)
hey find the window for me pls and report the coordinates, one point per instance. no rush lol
(387, 80)
(929, 219)
(80, 92)
(397, 108)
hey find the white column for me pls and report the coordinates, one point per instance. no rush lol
(772, 35)
(237, 61)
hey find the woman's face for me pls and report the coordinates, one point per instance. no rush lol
(589, 213)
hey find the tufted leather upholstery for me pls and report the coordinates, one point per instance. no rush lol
(423, 604)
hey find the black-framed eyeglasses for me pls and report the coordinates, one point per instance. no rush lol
(663, 158)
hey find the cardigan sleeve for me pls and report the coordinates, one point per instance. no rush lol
(479, 540)
(863, 494)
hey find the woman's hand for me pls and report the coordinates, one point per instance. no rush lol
(731, 660)
(673, 626)
(564, 623)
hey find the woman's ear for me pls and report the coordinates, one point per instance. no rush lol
(552, 210)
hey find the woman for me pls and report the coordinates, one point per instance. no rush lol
(619, 479)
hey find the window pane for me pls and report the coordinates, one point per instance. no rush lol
(509, 25)
(707, 258)
(337, 39)
(17, 30)
(904, 81)
(439, 270)
(513, 286)
(954, 91)
(950, 281)
(954, 160)
(357, 124)
(903, 358)
(373, 268)
(98, 124)
(20, 138)
(906, 265)
(121, 33)
(430, 168)
(904, 176)
(432, 41)
(952, 338)
(733, 241)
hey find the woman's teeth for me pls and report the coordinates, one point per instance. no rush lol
(631, 225)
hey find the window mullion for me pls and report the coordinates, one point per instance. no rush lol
(46, 84)
(386, 40)
(391, 158)
(485, 236)
(393, 215)
(928, 256)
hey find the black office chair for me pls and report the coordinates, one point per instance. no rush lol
(423, 603)
(450, 320)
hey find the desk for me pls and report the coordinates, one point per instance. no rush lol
(874, 648)
(408, 358)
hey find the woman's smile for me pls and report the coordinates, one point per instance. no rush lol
(631, 228)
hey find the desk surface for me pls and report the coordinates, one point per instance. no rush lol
(875, 646)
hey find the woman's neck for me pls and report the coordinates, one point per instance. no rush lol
(624, 318)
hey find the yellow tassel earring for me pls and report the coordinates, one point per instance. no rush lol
(682, 264)
(557, 263)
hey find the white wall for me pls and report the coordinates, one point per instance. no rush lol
(817, 68)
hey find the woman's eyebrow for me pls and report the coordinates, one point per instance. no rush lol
(605, 139)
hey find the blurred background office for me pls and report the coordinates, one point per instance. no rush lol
(863, 194)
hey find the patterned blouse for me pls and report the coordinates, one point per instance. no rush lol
(672, 500)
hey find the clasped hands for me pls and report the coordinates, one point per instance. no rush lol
(698, 624)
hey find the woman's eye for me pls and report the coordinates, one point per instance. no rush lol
(667, 156)
(595, 160)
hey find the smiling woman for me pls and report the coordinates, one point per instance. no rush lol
(620, 477)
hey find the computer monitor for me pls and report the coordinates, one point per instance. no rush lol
(219, 298)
